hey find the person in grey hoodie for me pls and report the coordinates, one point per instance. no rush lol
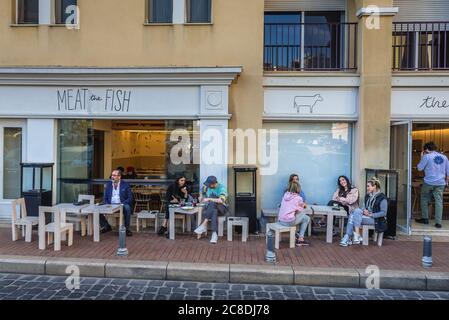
(436, 175)
(376, 207)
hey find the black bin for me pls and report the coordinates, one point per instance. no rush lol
(245, 195)
(37, 186)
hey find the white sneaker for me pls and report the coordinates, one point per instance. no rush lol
(357, 239)
(201, 229)
(214, 238)
(346, 241)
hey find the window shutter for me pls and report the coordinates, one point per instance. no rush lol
(422, 10)
(305, 5)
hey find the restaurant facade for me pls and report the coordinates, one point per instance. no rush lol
(347, 86)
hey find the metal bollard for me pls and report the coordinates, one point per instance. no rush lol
(427, 252)
(271, 254)
(122, 251)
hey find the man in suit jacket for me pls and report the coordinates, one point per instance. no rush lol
(118, 192)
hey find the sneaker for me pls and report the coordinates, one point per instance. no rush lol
(346, 241)
(162, 231)
(357, 239)
(422, 220)
(301, 243)
(200, 230)
(437, 225)
(214, 238)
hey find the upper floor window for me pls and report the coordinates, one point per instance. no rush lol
(199, 11)
(65, 11)
(420, 46)
(160, 11)
(27, 11)
(297, 41)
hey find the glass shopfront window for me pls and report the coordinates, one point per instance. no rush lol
(88, 149)
(12, 157)
(317, 152)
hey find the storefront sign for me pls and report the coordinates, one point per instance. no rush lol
(311, 103)
(63, 102)
(419, 103)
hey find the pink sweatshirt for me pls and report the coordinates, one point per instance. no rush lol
(291, 202)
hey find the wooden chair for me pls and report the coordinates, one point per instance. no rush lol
(378, 237)
(55, 229)
(278, 229)
(86, 224)
(142, 198)
(20, 220)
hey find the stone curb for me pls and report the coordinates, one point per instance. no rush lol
(226, 273)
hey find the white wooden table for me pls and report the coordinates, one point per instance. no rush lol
(198, 210)
(330, 214)
(94, 212)
(71, 208)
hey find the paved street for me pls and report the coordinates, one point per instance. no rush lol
(14, 286)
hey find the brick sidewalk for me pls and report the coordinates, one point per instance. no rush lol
(394, 255)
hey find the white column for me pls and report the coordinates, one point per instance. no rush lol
(179, 9)
(214, 150)
(45, 12)
(41, 141)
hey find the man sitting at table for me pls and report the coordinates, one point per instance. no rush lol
(117, 192)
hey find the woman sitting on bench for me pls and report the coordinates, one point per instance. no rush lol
(376, 206)
(291, 212)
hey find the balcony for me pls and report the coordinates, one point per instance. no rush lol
(421, 46)
(310, 46)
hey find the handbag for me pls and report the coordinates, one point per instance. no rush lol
(380, 225)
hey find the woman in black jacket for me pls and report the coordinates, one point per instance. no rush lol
(176, 194)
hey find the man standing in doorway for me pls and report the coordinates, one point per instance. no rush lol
(118, 192)
(436, 176)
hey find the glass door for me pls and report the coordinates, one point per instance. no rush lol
(75, 157)
(400, 160)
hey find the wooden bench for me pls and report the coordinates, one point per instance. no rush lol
(278, 229)
(378, 237)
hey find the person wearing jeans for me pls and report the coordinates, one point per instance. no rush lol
(215, 196)
(376, 206)
(436, 174)
(291, 212)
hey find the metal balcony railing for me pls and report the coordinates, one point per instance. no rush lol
(421, 46)
(310, 46)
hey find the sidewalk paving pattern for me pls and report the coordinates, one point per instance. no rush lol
(393, 255)
(36, 287)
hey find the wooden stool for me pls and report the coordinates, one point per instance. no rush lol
(55, 230)
(145, 215)
(221, 221)
(238, 221)
(378, 237)
(278, 229)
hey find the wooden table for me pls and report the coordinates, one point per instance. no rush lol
(330, 214)
(94, 212)
(71, 208)
(172, 211)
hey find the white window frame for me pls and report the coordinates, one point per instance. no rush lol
(147, 16)
(53, 15)
(10, 124)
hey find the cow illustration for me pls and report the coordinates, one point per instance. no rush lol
(307, 102)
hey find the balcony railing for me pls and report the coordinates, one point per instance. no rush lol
(310, 47)
(421, 46)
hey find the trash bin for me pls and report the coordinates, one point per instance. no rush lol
(37, 186)
(245, 195)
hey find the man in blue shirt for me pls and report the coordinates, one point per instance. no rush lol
(436, 176)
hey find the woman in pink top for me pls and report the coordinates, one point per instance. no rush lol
(291, 212)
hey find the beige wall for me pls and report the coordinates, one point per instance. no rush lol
(372, 148)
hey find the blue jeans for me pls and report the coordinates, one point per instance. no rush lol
(302, 219)
(356, 220)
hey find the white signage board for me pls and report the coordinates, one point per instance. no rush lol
(63, 102)
(307, 102)
(421, 103)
